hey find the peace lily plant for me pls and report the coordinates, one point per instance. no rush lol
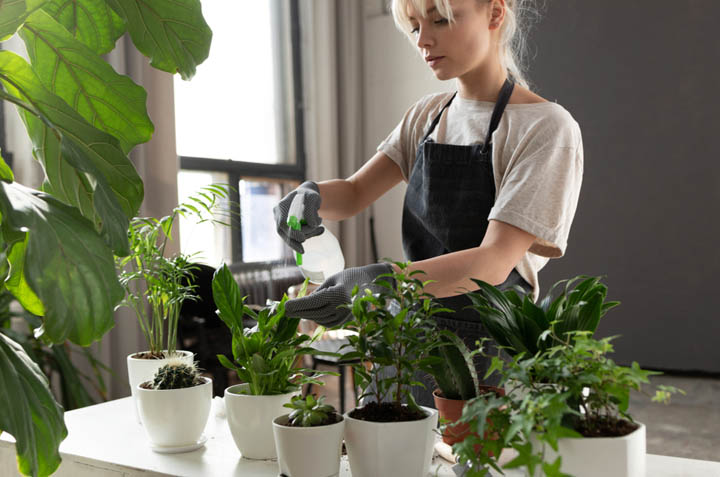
(83, 119)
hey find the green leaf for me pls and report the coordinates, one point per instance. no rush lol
(6, 173)
(16, 283)
(109, 101)
(72, 270)
(172, 33)
(91, 22)
(227, 298)
(30, 413)
(13, 13)
(66, 143)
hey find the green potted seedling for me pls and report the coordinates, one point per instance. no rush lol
(566, 413)
(457, 382)
(156, 285)
(309, 439)
(175, 406)
(390, 434)
(264, 358)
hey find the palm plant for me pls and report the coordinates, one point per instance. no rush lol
(520, 326)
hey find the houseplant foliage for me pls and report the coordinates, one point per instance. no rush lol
(310, 411)
(83, 118)
(157, 285)
(546, 402)
(521, 326)
(265, 355)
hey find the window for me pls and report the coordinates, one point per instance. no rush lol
(239, 121)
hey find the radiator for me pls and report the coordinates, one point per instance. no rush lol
(265, 281)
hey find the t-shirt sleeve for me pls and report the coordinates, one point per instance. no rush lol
(401, 144)
(540, 188)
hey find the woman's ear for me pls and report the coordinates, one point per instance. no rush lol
(496, 12)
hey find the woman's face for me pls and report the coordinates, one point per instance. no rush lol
(452, 50)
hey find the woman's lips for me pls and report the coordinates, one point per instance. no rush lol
(433, 60)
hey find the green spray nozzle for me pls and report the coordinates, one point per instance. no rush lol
(295, 220)
(295, 224)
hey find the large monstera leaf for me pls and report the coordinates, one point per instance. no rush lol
(68, 144)
(91, 22)
(109, 101)
(29, 411)
(172, 33)
(66, 264)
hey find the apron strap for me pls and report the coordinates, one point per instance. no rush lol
(502, 101)
(437, 119)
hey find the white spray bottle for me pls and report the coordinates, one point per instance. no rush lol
(323, 256)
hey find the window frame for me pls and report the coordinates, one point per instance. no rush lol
(239, 170)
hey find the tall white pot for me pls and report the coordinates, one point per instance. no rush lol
(308, 451)
(175, 417)
(141, 370)
(251, 420)
(623, 456)
(400, 449)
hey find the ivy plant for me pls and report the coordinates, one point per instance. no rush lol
(83, 118)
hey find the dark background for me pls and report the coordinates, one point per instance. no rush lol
(641, 79)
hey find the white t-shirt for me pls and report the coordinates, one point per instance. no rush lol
(537, 162)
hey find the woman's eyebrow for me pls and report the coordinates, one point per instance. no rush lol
(428, 12)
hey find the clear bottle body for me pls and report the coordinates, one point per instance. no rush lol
(323, 257)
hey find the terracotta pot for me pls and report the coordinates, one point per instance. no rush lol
(451, 410)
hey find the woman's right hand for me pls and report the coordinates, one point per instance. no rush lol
(307, 206)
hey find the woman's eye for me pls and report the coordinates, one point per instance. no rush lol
(441, 21)
(415, 30)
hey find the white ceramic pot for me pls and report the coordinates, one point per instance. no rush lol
(400, 449)
(250, 419)
(175, 417)
(141, 370)
(308, 451)
(601, 456)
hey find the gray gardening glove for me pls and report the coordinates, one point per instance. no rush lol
(305, 203)
(324, 305)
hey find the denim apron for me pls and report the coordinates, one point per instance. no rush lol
(449, 196)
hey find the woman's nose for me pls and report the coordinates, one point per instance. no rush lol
(424, 39)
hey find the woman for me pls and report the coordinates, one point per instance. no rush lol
(493, 171)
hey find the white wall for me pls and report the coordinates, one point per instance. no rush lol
(395, 76)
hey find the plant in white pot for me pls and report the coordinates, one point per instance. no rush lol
(156, 285)
(265, 359)
(309, 439)
(565, 414)
(175, 407)
(390, 434)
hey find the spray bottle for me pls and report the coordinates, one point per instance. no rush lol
(323, 256)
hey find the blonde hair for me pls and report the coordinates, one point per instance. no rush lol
(519, 15)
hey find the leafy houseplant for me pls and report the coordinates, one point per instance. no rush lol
(175, 406)
(264, 358)
(394, 338)
(520, 326)
(309, 439)
(549, 418)
(83, 119)
(456, 377)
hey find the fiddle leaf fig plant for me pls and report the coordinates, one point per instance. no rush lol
(83, 118)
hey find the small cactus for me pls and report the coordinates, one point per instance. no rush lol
(310, 412)
(176, 375)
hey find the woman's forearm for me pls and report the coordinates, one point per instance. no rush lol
(339, 199)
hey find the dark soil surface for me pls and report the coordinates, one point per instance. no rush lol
(331, 419)
(608, 428)
(387, 412)
(146, 355)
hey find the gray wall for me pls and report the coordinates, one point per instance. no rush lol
(641, 77)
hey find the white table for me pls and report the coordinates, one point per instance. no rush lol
(106, 440)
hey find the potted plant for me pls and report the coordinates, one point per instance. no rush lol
(175, 406)
(456, 377)
(309, 439)
(519, 325)
(391, 435)
(264, 358)
(157, 285)
(566, 413)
